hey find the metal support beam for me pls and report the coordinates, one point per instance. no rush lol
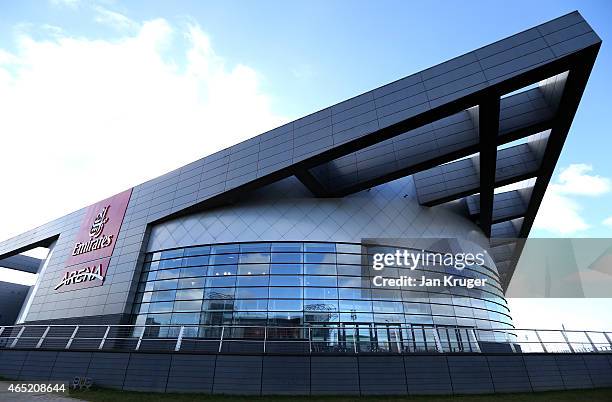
(312, 183)
(488, 128)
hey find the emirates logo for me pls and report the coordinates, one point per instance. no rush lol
(98, 224)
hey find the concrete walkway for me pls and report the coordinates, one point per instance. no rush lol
(6, 395)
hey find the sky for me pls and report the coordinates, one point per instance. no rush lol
(175, 81)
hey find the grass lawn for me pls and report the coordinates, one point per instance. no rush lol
(106, 395)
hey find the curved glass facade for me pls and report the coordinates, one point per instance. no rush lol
(296, 284)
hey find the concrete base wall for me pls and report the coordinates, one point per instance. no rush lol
(313, 375)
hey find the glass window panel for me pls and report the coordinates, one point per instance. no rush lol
(224, 259)
(354, 293)
(319, 305)
(156, 256)
(320, 247)
(386, 294)
(356, 317)
(437, 309)
(359, 306)
(253, 269)
(348, 248)
(216, 318)
(189, 294)
(191, 305)
(158, 319)
(254, 258)
(252, 293)
(165, 285)
(174, 263)
(320, 293)
(352, 270)
(146, 297)
(320, 269)
(154, 266)
(168, 273)
(199, 260)
(185, 318)
(286, 247)
(220, 281)
(419, 319)
(287, 258)
(151, 276)
(417, 308)
(285, 305)
(200, 250)
(163, 295)
(225, 249)
(349, 259)
(285, 280)
(255, 247)
(221, 270)
(171, 253)
(389, 318)
(286, 293)
(249, 318)
(388, 307)
(286, 269)
(141, 308)
(218, 304)
(160, 307)
(320, 281)
(219, 293)
(193, 271)
(191, 283)
(284, 319)
(148, 287)
(353, 282)
(251, 305)
(320, 258)
(252, 280)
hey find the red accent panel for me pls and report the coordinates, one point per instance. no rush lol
(111, 220)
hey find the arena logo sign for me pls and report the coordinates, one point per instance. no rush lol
(91, 275)
(94, 243)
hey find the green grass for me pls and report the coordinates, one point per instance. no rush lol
(107, 395)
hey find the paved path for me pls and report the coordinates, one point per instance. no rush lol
(6, 395)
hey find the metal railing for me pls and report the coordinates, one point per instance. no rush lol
(326, 338)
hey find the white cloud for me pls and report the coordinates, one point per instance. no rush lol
(113, 19)
(575, 179)
(83, 119)
(608, 221)
(66, 3)
(560, 213)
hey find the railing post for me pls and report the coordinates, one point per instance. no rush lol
(608, 339)
(179, 339)
(437, 340)
(540, 340)
(591, 342)
(221, 338)
(42, 338)
(310, 339)
(355, 334)
(72, 337)
(140, 338)
(14, 343)
(567, 341)
(103, 341)
(265, 338)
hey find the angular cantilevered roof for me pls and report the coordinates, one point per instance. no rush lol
(492, 117)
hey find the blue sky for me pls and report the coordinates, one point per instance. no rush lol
(73, 72)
